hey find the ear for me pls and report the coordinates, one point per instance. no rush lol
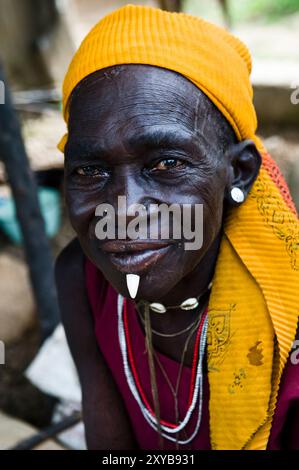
(244, 162)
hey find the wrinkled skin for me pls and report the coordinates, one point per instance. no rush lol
(113, 114)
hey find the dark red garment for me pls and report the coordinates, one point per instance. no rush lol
(103, 301)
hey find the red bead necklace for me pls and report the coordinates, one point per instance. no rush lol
(134, 370)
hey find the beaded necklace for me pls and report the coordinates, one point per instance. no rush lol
(196, 384)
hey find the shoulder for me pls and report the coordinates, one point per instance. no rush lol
(70, 260)
(70, 283)
(70, 275)
(74, 271)
(74, 306)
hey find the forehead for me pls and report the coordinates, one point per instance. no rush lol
(114, 106)
(138, 94)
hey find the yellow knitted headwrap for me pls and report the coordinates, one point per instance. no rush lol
(253, 309)
(214, 60)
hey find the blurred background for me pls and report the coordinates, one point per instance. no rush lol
(37, 41)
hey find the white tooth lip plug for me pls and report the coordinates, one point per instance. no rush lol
(132, 284)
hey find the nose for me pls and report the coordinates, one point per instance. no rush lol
(130, 195)
(129, 192)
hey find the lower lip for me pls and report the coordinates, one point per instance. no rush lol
(137, 261)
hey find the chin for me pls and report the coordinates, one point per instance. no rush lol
(152, 285)
(152, 293)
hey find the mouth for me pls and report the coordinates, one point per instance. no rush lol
(135, 256)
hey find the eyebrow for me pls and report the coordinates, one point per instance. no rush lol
(160, 138)
(153, 139)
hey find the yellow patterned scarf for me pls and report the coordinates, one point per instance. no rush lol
(253, 314)
(253, 309)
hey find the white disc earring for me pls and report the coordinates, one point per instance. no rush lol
(237, 195)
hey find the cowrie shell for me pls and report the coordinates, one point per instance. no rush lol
(158, 308)
(189, 304)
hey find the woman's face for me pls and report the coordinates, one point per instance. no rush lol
(150, 135)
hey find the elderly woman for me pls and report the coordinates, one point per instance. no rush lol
(177, 348)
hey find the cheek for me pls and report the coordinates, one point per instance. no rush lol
(213, 199)
(207, 225)
(81, 210)
(212, 217)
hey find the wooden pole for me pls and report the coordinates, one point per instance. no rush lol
(171, 5)
(24, 190)
(48, 433)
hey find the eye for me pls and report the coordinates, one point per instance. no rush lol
(167, 164)
(91, 171)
